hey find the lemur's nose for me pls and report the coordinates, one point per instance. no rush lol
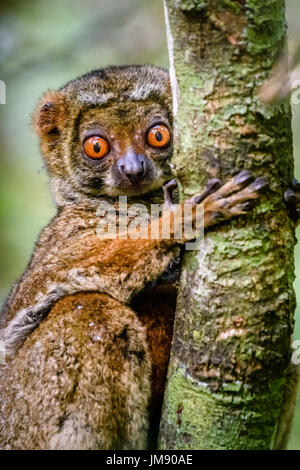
(132, 166)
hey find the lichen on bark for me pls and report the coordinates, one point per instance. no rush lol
(235, 308)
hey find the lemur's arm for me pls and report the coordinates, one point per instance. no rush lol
(120, 267)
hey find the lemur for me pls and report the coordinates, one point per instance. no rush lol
(88, 326)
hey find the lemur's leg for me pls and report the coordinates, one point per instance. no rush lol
(292, 198)
(80, 381)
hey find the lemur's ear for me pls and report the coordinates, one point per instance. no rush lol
(49, 115)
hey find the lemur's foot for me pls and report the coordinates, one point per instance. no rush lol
(292, 198)
(234, 198)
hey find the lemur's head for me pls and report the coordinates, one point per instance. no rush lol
(108, 132)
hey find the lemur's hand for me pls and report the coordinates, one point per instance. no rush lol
(223, 201)
(236, 197)
(292, 198)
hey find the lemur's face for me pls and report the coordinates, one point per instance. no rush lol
(123, 149)
(108, 133)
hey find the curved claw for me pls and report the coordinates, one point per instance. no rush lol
(211, 186)
(168, 189)
(244, 177)
(260, 184)
(171, 184)
(296, 185)
(291, 197)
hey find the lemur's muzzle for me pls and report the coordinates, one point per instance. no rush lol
(133, 167)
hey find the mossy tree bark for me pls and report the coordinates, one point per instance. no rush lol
(234, 317)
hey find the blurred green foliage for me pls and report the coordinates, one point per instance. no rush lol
(44, 44)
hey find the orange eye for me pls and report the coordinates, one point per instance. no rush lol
(158, 136)
(95, 147)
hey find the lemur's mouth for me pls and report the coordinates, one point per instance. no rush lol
(114, 189)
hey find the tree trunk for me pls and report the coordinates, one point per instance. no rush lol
(235, 308)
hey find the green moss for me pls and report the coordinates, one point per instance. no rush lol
(232, 110)
(232, 5)
(233, 418)
(199, 5)
(266, 26)
(189, 5)
(196, 335)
